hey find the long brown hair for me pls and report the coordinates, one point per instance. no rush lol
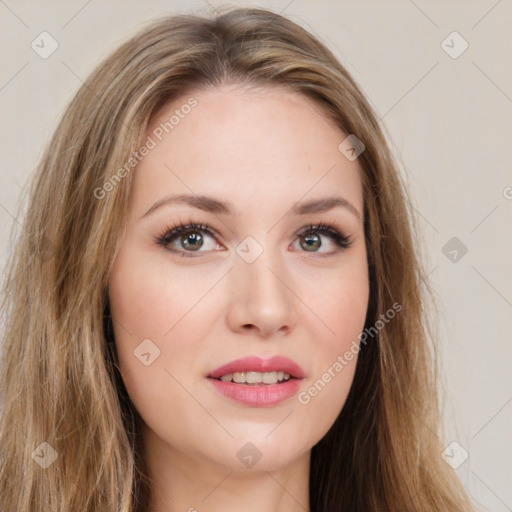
(59, 382)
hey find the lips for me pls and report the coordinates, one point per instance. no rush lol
(256, 364)
(258, 395)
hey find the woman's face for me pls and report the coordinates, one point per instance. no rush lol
(257, 168)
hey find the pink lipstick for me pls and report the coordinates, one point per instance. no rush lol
(257, 382)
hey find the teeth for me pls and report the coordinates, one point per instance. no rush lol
(256, 377)
(239, 378)
(269, 377)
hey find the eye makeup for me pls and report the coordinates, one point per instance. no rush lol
(171, 234)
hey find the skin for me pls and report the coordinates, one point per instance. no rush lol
(263, 150)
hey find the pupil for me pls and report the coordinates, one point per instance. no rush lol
(190, 238)
(312, 241)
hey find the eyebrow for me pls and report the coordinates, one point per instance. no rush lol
(212, 205)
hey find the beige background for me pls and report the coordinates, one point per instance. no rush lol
(450, 119)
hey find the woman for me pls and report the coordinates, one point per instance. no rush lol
(215, 301)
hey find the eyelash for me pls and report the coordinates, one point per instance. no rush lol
(170, 233)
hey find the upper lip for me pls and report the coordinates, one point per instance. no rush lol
(256, 364)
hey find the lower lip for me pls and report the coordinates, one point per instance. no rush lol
(264, 395)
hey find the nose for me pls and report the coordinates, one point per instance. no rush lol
(262, 299)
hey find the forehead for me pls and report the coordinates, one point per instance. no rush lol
(249, 145)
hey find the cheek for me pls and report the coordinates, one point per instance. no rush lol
(160, 318)
(345, 309)
(340, 308)
(337, 304)
(148, 300)
(158, 336)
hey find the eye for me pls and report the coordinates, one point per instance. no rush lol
(185, 239)
(310, 239)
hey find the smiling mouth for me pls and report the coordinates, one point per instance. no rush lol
(256, 378)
